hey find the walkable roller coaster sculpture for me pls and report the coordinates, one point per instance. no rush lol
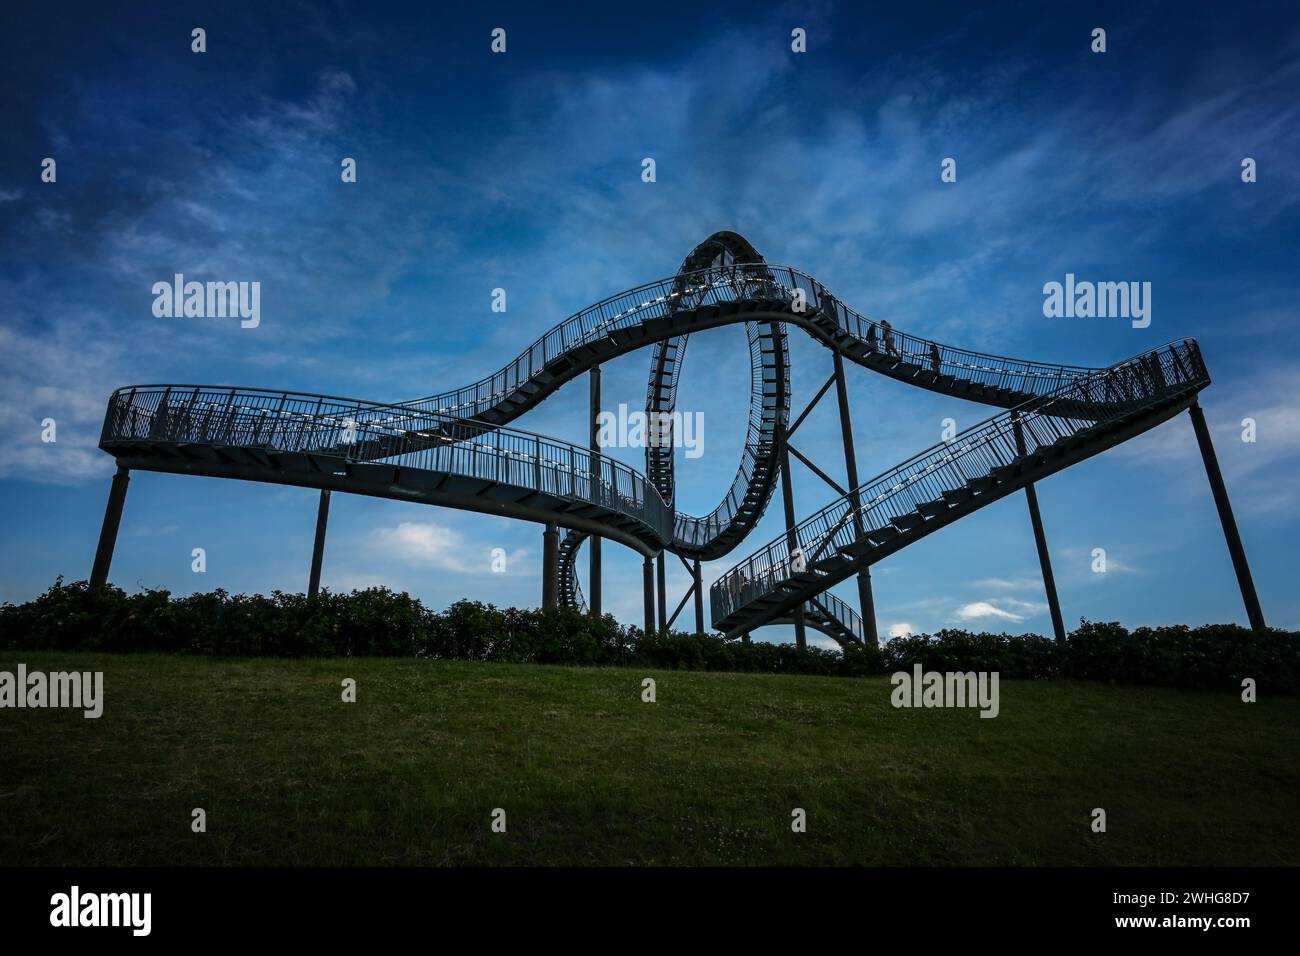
(455, 449)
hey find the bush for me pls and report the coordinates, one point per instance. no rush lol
(377, 622)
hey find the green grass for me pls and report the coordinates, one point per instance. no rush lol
(588, 774)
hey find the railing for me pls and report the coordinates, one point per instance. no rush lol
(1093, 400)
(428, 428)
(570, 587)
(718, 286)
(579, 601)
(713, 286)
(288, 422)
(829, 604)
(696, 532)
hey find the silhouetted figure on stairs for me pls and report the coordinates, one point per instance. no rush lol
(889, 338)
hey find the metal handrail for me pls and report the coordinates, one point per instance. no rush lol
(1087, 402)
(710, 286)
(287, 422)
(705, 287)
(570, 587)
(719, 285)
(839, 610)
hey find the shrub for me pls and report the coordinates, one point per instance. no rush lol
(378, 622)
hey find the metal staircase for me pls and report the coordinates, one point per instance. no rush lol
(321, 442)
(763, 297)
(950, 480)
(825, 613)
(455, 449)
(570, 588)
(831, 616)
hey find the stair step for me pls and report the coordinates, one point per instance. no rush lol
(829, 565)
(879, 360)
(957, 496)
(1004, 472)
(908, 521)
(982, 484)
(858, 549)
(932, 509)
(879, 536)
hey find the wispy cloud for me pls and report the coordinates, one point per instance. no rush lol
(985, 610)
(423, 542)
(477, 172)
(1012, 610)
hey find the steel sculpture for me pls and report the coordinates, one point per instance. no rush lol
(456, 449)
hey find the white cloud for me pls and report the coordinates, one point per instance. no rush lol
(1008, 584)
(901, 629)
(982, 610)
(63, 373)
(424, 542)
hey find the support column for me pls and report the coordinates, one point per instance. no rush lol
(648, 586)
(791, 541)
(1040, 539)
(699, 600)
(593, 579)
(551, 566)
(318, 550)
(1238, 553)
(866, 601)
(108, 532)
(663, 592)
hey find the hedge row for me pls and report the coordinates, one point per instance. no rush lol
(381, 623)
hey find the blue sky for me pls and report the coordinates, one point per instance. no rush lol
(522, 171)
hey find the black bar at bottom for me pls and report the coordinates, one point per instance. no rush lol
(222, 904)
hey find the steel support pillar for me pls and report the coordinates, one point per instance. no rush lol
(791, 539)
(648, 586)
(866, 601)
(551, 567)
(1238, 553)
(699, 600)
(663, 592)
(593, 579)
(318, 549)
(1040, 539)
(108, 532)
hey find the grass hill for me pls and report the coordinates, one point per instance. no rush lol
(587, 773)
